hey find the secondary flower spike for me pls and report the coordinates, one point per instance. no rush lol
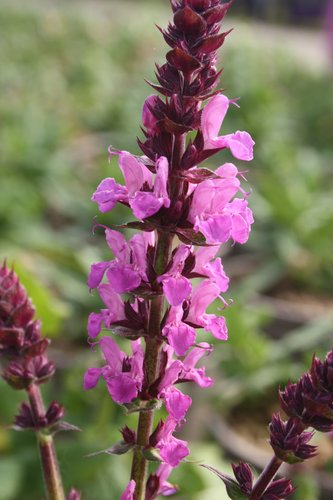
(184, 212)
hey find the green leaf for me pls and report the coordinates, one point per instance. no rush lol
(119, 448)
(232, 487)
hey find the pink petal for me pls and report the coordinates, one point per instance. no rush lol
(94, 324)
(216, 273)
(227, 170)
(176, 290)
(135, 172)
(108, 193)
(118, 244)
(113, 301)
(122, 388)
(213, 115)
(161, 180)
(198, 376)
(174, 451)
(196, 354)
(122, 278)
(216, 229)
(138, 245)
(129, 492)
(177, 403)
(217, 326)
(145, 204)
(204, 294)
(112, 354)
(96, 274)
(180, 336)
(91, 378)
(240, 144)
(203, 256)
(170, 375)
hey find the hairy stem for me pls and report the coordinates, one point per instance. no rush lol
(265, 478)
(50, 467)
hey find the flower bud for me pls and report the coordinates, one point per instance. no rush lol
(281, 488)
(244, 476)
(289, 440)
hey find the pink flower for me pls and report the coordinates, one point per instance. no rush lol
(126, 272)
(212, 212)
(180, 335)
(213, 114)
(114, 312)
(143, 198)
(129, 492)
(234, 222)
(165, 488)
(175, 286)
(212, 270)
(147, 203)
(204, 294)
(176, 403)
(108, 193)
(190, 373)
(122, 374)
(172, 450)
(212, 195)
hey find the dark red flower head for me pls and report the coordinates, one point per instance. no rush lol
(18, 332)
(289, 440)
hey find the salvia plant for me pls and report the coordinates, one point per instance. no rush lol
(157, 288)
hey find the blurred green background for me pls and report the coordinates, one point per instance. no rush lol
(72, 83)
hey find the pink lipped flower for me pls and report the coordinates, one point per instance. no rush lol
(180, 335)
(113, 313)
(175, 286)
(123, 374)
(203, 295)
(128, 269)
(172, 449)
(213, 114)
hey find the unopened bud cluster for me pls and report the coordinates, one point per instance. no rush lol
(24, 348)
(309, 407)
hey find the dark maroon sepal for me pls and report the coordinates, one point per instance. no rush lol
(211, 43)
(37, 349)
(129, 435)
(11, 340)
(190, 236)
(281, 488)
(244, 476)
(199, 175)
(183, 61)
(190, 22)
(216, 14)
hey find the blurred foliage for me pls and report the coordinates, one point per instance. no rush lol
(72, 82)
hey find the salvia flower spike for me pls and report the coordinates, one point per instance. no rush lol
(27, 366)
(185, 212)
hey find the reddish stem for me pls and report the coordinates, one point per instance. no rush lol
(265, 478)
(50, 467)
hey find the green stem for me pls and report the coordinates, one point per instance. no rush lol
(50, 467)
